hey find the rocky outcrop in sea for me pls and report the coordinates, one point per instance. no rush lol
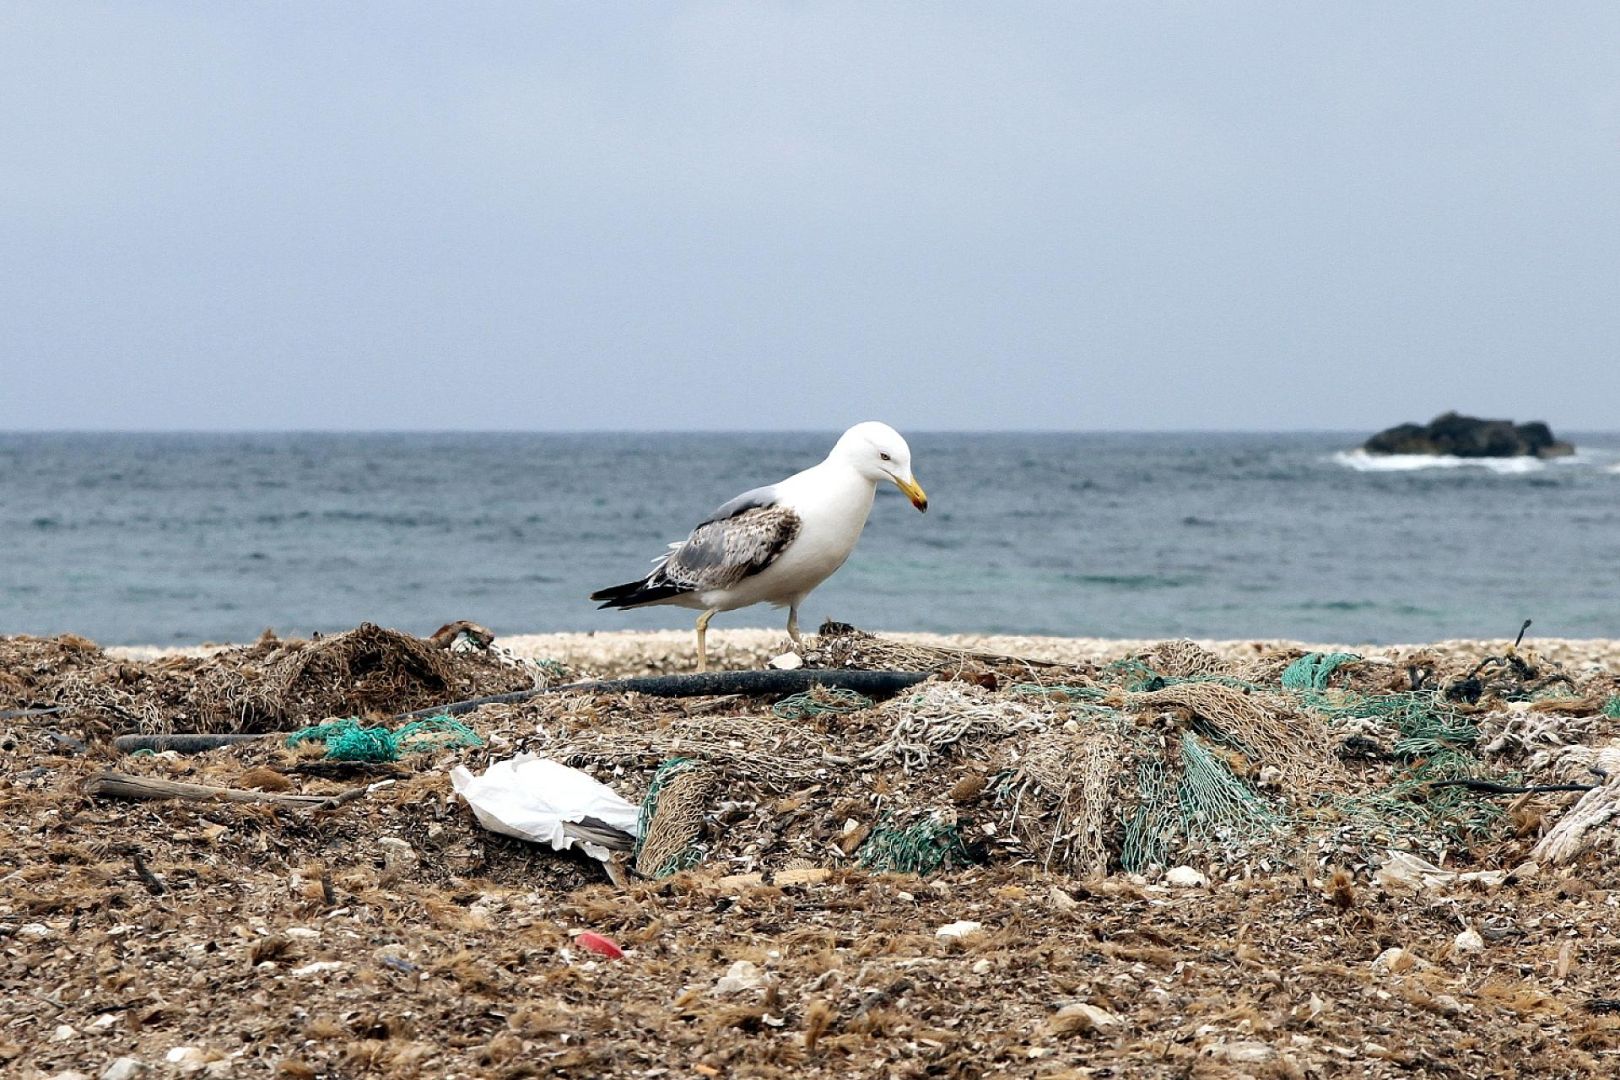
(1470, 437)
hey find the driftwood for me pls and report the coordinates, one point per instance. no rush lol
(124, 786)
(874, 684)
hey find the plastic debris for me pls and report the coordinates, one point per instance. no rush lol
(598, 944)
(742, 975)
(538, 799)
(1403, 870)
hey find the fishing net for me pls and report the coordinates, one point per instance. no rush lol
(922, 726)
(1060, 798)
(1313, 670)
(820, 701)
(932, 843)
(670, 823)
(351, 740)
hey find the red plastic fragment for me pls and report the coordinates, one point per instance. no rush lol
(599, 944)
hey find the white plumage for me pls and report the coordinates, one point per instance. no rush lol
(775, 544)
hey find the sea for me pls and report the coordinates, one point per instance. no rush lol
(187, 538)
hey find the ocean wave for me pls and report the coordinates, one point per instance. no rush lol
(1361, 461)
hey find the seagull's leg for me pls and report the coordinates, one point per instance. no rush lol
(793, 623)
(702, 629)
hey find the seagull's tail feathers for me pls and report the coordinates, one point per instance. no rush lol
(637, 593)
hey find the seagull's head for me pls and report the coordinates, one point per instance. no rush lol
(877, 452)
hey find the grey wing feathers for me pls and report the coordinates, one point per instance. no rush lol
(725, 550)
(748, 500)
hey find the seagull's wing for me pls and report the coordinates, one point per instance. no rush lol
(722, 552)
(739, 540)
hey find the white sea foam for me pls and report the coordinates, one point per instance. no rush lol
(1362, 461)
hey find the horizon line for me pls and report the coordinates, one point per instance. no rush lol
(4, 432)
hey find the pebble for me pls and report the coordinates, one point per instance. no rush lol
(33, 930)
(1185, 877)
(71, 1075)
(1241, 1053)
(1083, 1017)
(301, 932)
(1469, 941)
(960, 929)
(188, 1059)
(318, 967)
(124, 1068)
(63, 1033)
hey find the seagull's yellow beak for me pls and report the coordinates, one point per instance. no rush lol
(918, 497)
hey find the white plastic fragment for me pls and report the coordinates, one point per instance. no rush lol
(63, 1033)
(960, 929)
(319, 967)
(538, 799)
(743, 975)
(788, 661)
(1405, 871)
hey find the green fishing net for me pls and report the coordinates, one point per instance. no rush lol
(929, 844)
(350, 740)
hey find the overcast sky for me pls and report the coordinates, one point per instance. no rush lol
(799, 215)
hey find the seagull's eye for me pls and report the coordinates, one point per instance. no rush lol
(885, 457)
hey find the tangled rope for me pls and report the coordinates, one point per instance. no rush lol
(1313, 670)
(349, 740)
(820, 701)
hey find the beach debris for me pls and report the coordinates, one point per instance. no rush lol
(1403, 870)
(740, 976)
(351, 740)
(1099, 764)
(1595, 814)
(596, 943)
(126, 786)
(669, 822)
(535, 798)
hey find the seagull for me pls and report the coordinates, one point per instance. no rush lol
(774, 544)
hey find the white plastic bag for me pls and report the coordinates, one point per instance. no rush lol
(536, 798)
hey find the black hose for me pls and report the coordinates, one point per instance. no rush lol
(874, 684)
(1490, 787)
(183, 742)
